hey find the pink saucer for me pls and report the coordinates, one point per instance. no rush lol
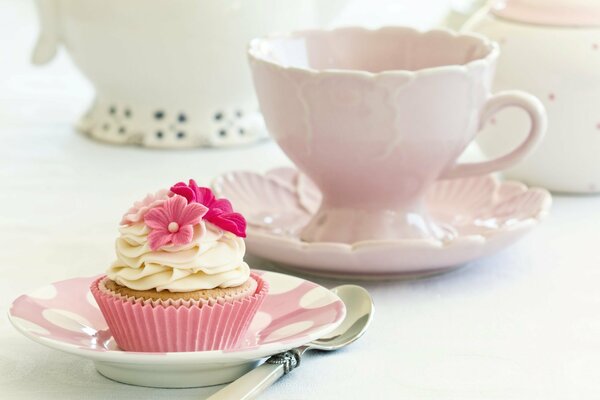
(486, 215)
(65, 316)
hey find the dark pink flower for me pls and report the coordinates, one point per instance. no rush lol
(220, 211)
(173, 222)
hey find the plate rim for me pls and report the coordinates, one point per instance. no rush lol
(383, 271)
(181, 358)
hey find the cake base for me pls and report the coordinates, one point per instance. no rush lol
(211, 295)
(176, 325)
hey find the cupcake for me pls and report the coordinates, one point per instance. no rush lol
(180, 282)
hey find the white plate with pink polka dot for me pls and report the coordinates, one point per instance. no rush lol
(64, 316)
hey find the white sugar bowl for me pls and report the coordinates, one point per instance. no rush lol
(550, 48)
(169, 73)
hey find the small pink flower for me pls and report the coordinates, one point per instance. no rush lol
(220, 211)
(173, 222)
(140, 208)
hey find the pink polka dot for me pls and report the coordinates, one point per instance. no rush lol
(595, 46)
(551, 97)
(598, 126)
(493, 121)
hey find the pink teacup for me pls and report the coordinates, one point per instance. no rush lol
(374, 118)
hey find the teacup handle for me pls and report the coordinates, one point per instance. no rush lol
(533, 107)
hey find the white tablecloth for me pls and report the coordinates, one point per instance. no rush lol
(524, 324)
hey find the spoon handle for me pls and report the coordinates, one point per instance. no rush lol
(256, 381)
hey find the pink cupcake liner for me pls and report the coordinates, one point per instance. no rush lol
(156, 326)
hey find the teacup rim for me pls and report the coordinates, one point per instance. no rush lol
(255, 56)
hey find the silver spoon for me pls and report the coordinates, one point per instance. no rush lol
(359, 312)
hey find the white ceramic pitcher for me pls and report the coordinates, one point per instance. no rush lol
(170, 73)
(550, 48)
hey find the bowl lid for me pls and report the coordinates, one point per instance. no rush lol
(550, 12)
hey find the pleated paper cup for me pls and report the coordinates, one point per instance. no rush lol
(144, 325)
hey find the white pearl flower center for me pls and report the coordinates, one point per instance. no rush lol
(173, 227)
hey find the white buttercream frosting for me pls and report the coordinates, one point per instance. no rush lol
(213, 259)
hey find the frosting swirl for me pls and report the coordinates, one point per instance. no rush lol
(214, 258)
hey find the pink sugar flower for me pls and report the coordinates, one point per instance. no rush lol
(173, 222)
(140, 208)
(220, 211)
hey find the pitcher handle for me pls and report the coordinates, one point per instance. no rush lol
(537, 114)
(48, 38)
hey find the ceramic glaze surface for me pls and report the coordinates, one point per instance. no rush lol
(483, 215)
(550, 12)
(374, 118)
(563, 73)
(65, 316)
(168, 73)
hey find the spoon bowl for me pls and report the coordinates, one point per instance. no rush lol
(360, 310)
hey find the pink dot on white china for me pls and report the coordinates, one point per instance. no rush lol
(173, 227)
(551, 97)
(46, 293)
(260, 321)
(315, 298)
(595, 46)
(90, 299)
(280, 283)
(67, 320)
(290, 330)
(29, 326)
